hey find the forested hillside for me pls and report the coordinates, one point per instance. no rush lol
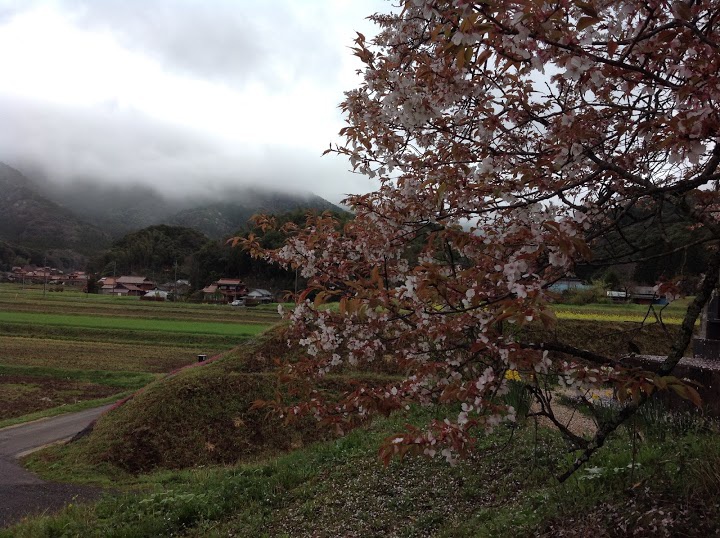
(39, 224)
(30, 220)
(646, 243)
(155, 250)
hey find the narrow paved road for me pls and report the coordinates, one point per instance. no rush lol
(18, 440)
(21, 492)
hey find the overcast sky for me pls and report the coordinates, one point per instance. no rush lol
(181, 93)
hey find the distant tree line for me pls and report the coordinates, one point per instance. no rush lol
(19, 256)
(649, 243)
(160, 252)
(672, 250)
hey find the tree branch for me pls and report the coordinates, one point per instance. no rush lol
(676, 352)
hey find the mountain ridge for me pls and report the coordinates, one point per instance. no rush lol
(120, 210)
(80, 219)
(29, 219)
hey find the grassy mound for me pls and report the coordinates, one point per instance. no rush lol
(201, 416)
(197, 419)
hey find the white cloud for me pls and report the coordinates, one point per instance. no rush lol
(219, 91)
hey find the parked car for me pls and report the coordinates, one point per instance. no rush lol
(238, 302)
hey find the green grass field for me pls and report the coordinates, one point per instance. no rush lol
(133, 324)
(73, 302)
(59, 351)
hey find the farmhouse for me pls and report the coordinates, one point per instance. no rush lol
(77, 279)
(30, 274)
(225, 290)
(140, 282)
(109, 286)
(42, 274)
(135, 286)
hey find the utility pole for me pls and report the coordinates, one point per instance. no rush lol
(175, 297)
(44, 274)
(114, 268)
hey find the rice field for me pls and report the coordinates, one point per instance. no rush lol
(671, 314)
(63, 351)
(50, 341)
(615, 317)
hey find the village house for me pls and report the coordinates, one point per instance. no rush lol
(224, 290)
(17, 274)
(106, 284)
(42, 274)
(30, 274)
(140, 282)
(134, 286)
(77, 279)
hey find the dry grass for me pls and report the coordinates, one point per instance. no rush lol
(95, 355)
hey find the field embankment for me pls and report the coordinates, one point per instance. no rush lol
(609, 338)
(203, 416)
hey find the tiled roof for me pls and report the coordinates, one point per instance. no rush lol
(132, 279)
(230, 282)
(259, 293)
(131, 287)
(118, 288)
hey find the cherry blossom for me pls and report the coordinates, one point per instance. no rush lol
(508, 138)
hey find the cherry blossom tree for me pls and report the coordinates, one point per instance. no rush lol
(508, 138)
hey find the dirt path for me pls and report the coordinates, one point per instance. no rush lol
(22, 493)
(571, 418)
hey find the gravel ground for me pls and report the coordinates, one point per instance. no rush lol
(573, 419)
(706, 364)
(23, 494)
(581, 424)
(19, 501)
